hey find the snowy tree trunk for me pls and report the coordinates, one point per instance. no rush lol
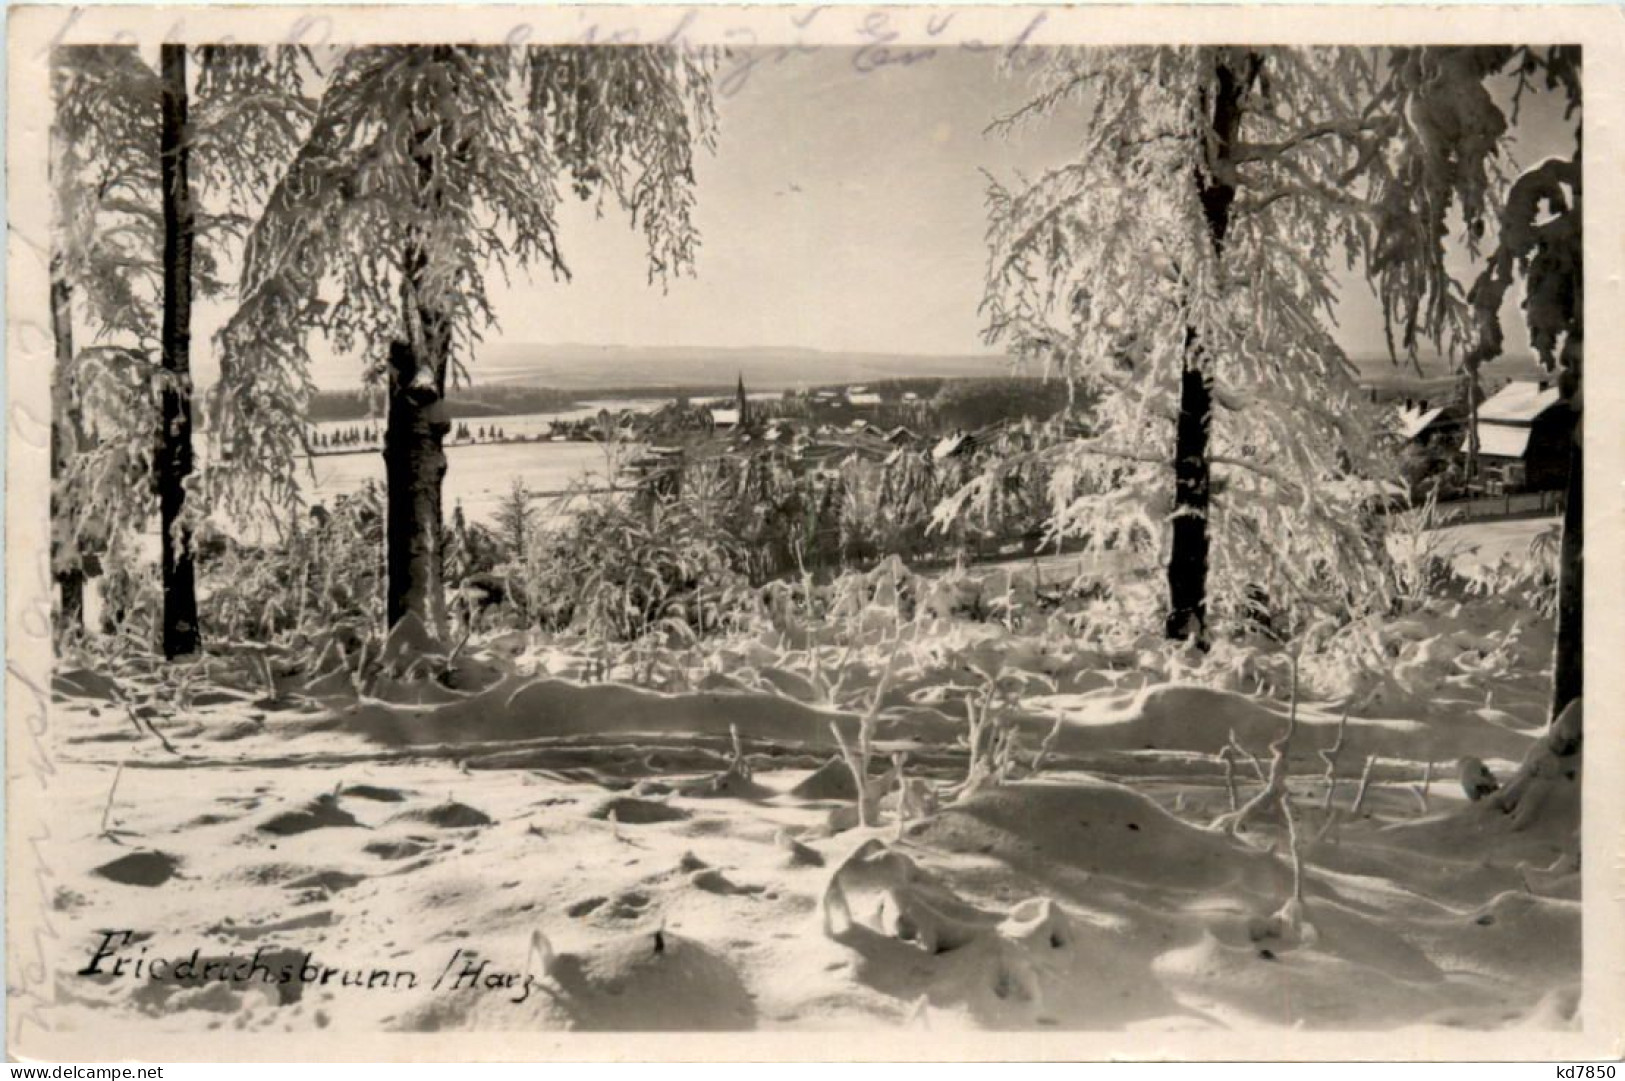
(415, 435)
(414, 468)
(68, 567)
(1474, 393)
(1187, 564)
(174, 463)
(1567, 663)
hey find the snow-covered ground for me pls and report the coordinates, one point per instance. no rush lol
(614, 860)
(1481, 544)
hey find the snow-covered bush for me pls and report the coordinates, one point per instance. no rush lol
(324, 573)
(1419, 563)
(1529, 580)
(618, 573)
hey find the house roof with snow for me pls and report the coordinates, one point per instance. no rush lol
(1501, 440)
(725, 418)
(1507, 419)
(1518, 402)
(863, 398)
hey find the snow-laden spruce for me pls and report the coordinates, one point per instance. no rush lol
(428, 168)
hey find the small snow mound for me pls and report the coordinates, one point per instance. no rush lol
(205, 699)
(331, 881)
(832, 780)
(517, 708)
(655, 982)
(1199, 719)
(473, 674)
(374, 792)
(719, 681)
(800, 855)
(85, 683)
(323, 812)
(584, 907)
(449, 815)
(659, 982)
(336, 683)
(791, 685)
(914, 906)
(1031, 965)
(1529, 934)
(1558, 1009)
(420, 691)
(1097, 827)
(1038, 920)
(714, 881)
(395, 850)
(629, 811)
(241, 728)
(732, 783)
(1482, 831)
(407, 640)
(148, 868)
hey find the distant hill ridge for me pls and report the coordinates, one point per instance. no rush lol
(1438, 374)
(580, 367)
(589, 367)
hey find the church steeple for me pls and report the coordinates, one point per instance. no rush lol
(743, 403)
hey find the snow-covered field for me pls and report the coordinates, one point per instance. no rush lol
(478, 476)
(622, 857)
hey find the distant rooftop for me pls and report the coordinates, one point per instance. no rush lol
(1413, 422)
(1500, 441)
(1518, 402)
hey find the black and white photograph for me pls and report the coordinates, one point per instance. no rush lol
(918, 523)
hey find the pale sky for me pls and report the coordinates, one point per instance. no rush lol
(842, 210)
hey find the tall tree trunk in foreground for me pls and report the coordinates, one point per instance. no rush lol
(415, 435)
(414, 468)
(1187, 564)
(175, 440)
(68, 567)
(1568, 660)
(1473, 396)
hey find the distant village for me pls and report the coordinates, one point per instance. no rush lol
(1512, 445)
(903, 412)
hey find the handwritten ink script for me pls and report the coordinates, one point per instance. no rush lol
(876, 38)
(130, 955)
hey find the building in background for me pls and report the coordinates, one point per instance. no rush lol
(1523, 438)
